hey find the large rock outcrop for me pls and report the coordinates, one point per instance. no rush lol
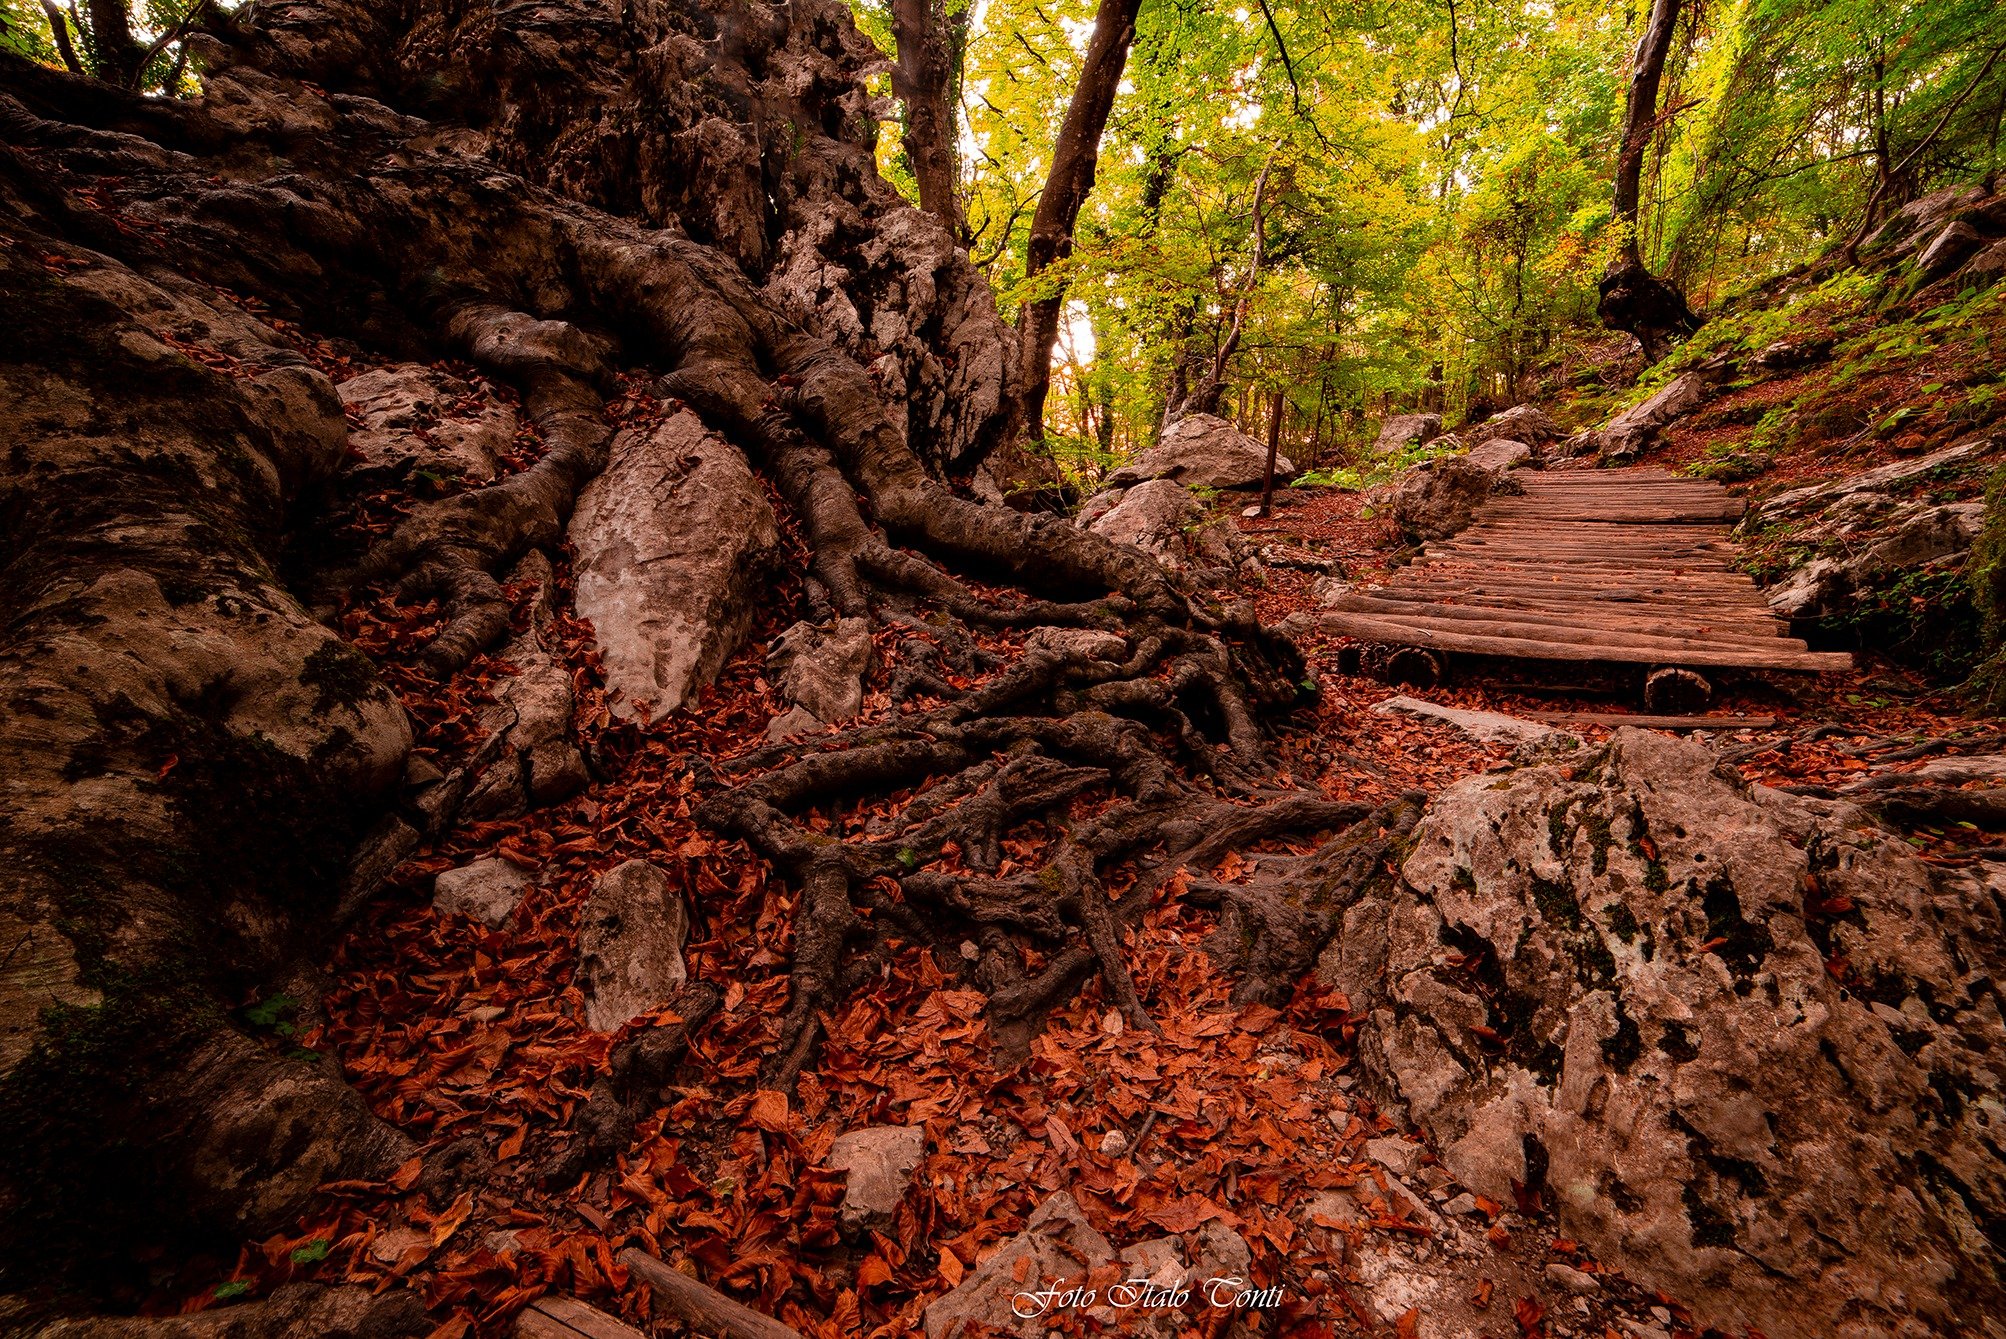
(1203, 451)
(1165, 520)
(671, 544)
(1748, 1043)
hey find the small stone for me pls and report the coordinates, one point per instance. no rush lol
(1114, 1143)
(1395, 1155)
(969, 950)
(630, 945)
(1464, 1204)
(1661, 1315)
(1572, 1279)
(488, 890)
(879, 1161)
(821, 669)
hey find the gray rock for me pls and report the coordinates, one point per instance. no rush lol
(793, 723)
(1499, 454)
(1056, 1246)
(1813, 498)
(1405, 430)
(1576, 1281)
(671, 540)
(1821, 588)
(821, 670)
(1520, 423)
(1436, 498)
(1638, 428)
(538, 764)
(1947, 250)
(1876, 540)
(1164, 520)
(489, 890)
(1097, 506)
(1397, 1156)
(630, 944)
(1486, 727)
(1985, 268)
(1914, 224)
(1203, 451)
(408, 415)
(879, 1162)
(1716, 1114)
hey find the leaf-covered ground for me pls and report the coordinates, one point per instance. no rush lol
(470, 1039)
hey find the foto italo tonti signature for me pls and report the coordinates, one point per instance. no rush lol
(1143, 1294)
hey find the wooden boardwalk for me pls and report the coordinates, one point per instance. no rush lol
(1629, 566)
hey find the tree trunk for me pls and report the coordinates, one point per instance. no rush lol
(1074, 158)
(922, 79)
(1632, 299)
(116, 56)
(1204, 397)
(204, 776)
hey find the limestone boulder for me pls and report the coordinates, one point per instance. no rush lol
(630, 944)
(1985, 268)
(1499, 454)
(1640, 427)
(1521, 423)
(672, 544)
(1148, 514)
(1405, 430)
(1947, 250)
(1813, 499)
(1203, 451)
(411, 417)
(1436, 498)
(1744, 1041)
(535, 761)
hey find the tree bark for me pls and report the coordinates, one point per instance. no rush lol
(922, 79)
(204, 777)
(1632, 299)
(1074, 157)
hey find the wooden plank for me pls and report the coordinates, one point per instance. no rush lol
(1579, 633)
(1616, 718)
(1370, 628)
(557, 1317)
(1689, 629)
(1738, 616)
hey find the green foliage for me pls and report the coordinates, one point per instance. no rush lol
(172, 70)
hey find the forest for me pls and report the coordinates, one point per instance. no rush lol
(849, 668)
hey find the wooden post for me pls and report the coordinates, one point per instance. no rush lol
(1274, 444)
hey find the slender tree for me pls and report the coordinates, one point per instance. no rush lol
(1632, 298)
(1074, 157)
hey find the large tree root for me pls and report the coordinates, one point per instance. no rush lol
(1078, 726)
